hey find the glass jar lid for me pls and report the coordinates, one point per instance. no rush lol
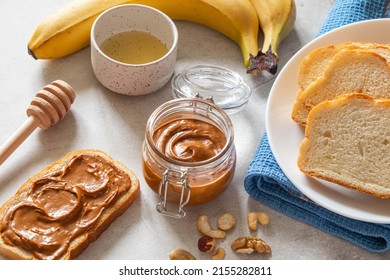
(227, 88)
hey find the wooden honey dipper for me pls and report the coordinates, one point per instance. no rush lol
(49, 106)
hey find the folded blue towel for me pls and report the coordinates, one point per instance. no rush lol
(348, 11)
(266, 182)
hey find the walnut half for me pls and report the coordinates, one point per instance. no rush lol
(250, 244)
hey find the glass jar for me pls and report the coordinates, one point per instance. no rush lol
(188, 182)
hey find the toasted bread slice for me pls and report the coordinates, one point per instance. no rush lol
(58, 212)
(347, 141)
(355, 70)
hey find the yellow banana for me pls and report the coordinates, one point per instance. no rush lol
(277, 18)
(68, 30)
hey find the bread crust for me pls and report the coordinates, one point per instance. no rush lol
(305, 144)
(79, 244)
(347, 185)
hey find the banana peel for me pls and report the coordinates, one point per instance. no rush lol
(277, 18)
(67, 30)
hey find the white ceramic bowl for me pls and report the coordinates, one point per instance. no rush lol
(133, 79)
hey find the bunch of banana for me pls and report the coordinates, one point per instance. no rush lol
(277, 18)
(68, 30)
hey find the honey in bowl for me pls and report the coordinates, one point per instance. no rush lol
(134, 47)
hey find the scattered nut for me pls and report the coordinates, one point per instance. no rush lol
(219, 254)
(250, 244)
(245, 251)
(205, 228)
(206, 243)
(180, 254)
(226, 222)
(257, 217)
(239, 243)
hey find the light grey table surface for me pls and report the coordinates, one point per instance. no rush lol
(114, 123)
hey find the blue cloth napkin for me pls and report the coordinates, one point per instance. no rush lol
(348, 11)
(266, 182)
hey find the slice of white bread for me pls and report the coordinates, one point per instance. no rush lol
(347, 141)
(314, 63)
(58, 212)
(350, 70)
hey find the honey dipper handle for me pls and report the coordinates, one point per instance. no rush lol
(18, 137)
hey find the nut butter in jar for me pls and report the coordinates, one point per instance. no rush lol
(188, 153)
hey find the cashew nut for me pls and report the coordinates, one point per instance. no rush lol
(205, 228)
(257, 217)
(180, 254)
(219, 254)
(226, 222)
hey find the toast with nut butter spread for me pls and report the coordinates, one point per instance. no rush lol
(58, 212)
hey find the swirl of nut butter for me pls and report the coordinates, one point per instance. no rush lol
(61, 206)
(189, 140)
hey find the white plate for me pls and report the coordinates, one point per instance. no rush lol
(285, 135)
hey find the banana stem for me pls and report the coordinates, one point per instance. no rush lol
(263, 61)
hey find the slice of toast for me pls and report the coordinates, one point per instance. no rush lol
(58, 212)
(350, 70)
(347, 141)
